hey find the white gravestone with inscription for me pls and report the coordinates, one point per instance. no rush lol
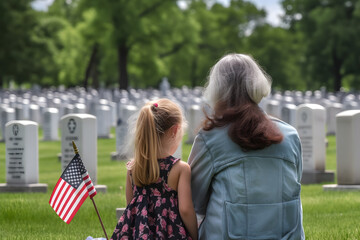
(82, 129)
(310, 123)
(50, 124)
(22, 158)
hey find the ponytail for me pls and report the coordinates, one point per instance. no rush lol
(153, 121)
(146, 168)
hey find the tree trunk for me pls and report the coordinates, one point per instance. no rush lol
(95, 73)
(1, 82)
(122, 66)
(193, 72)
(90, 65)
(337, 63)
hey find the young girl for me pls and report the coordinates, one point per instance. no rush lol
(158, 190)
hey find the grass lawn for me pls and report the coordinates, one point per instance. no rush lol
(327, 215)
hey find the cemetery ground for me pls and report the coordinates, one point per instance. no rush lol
(327, 214)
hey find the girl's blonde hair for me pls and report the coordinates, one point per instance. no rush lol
(154, 119)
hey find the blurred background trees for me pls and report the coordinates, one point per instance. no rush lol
(136, 43)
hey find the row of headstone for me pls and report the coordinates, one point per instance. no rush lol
(283, 106)
(106, 105)
(310, 122)
(22, 151)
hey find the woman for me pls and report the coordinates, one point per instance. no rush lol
(246, 166)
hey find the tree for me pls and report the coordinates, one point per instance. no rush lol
(17, 21)
(223, 29)
(331, 36)
(142, 32)
(280, 53)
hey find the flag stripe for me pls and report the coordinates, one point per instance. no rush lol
(92, 194)
(54, 193)
(80, 199)
(66, 190)
(61, 191)
(66, 200)
(90, 187)
(58, 189)
(73, 198)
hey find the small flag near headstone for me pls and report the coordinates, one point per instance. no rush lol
(73, 187)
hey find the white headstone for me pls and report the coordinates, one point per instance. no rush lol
(19, 112)
(288, 114)
(82, 129)
(122, 131)
(22, 158)
(22, 152)
(69, 109)
(50, 124)
(311, 128)
(310, 121)
(331, 112)
(195, 117)
(351, 105)
(7, 115)
(80, 108)
(103, 115)
(35, 113)
(273, 108)
(347, 147)
(113, 109)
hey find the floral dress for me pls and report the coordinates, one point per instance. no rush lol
(153, 213)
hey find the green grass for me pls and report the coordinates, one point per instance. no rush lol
(327, 215)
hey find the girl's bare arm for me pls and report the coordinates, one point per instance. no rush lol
(186, 207)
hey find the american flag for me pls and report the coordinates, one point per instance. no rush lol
(73, 187)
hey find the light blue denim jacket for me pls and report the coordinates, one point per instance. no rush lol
(247, 195)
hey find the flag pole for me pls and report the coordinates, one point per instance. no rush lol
(102, 225)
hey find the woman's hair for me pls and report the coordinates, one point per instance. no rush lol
(235, 86)
(154, 119)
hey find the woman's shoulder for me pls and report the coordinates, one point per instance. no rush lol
(217, 132)
(286, 129)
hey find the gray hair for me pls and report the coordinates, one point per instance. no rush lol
(235, 78)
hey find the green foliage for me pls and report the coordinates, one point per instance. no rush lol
(136, 43)
(331, 37)
(280, 53)
(17, 49)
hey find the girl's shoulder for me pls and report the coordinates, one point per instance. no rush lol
(181, 166)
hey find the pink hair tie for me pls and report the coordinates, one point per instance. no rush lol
(155, 105)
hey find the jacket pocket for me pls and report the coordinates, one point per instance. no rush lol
(261, 221)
